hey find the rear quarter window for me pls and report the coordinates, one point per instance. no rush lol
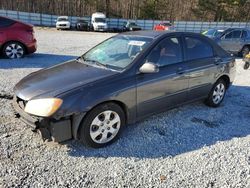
(197, 48)
(4, 22)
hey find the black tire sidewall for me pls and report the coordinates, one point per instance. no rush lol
(209, 100)
(84, 130)
(14, 42)
(246, 66)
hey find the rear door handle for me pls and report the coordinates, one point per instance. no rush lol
(180, 71)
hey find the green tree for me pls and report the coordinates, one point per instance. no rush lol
(218, 10)
(148, 10)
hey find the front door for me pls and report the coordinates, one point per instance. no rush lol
(167, 87)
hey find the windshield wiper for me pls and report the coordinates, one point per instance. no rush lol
(90, 62)
(94, 61)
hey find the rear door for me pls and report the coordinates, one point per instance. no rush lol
(168, 87)
(202, 66)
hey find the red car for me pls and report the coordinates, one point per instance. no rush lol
(163, 26)
(16, 38)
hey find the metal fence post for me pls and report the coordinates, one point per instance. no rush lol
(41, 22)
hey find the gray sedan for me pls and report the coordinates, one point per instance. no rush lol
(120, 81)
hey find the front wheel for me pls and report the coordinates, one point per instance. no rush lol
(102, 125)
(217, 94)
(13, 50)
(246, 66)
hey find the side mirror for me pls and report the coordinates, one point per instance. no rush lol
(149, 68)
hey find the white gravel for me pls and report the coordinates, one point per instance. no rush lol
(191, 146)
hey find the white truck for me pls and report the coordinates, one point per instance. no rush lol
(98, 22)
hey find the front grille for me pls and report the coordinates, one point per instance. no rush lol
(100, 27)
(62, 25)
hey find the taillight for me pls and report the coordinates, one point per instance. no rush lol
(32, 33)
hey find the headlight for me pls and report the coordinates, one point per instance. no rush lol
(43, 107)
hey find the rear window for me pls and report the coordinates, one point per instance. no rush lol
(4, 22)
(197, 48)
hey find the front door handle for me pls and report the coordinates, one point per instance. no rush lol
(217, 61)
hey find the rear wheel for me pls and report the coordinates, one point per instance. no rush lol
(245, 51)
(217, 94)
(13, 50)
(102, 125)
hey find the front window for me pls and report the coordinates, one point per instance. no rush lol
(167, 52)
(117, 52)
(100, 20)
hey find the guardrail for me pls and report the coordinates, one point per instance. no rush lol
(49, 21)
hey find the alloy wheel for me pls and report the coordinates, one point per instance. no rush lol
(218, 93)
(14, 50)
(105, 126)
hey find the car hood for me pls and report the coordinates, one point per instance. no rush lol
(62, 22)
(53, 81)
(100, 23)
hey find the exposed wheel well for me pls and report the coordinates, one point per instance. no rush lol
(119, 103)
(226, 79)
(246, 45)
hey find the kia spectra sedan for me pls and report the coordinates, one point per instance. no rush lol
(120, 81)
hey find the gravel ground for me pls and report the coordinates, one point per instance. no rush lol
(190, 146)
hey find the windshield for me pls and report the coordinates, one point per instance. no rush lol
(166, 24)
(82, 21)
(209, 32)
(218, 33)
(100, 20)
(117, 52)
(132, 24)
(62, 19)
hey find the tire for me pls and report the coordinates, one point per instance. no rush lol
(102, 125)
(245, 51)
(217, 94)
(246, 66)
(13, 50)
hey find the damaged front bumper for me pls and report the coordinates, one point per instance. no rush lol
(50, 129)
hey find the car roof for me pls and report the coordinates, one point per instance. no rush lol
(156, 34)
(17, 21)
(63, 17)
